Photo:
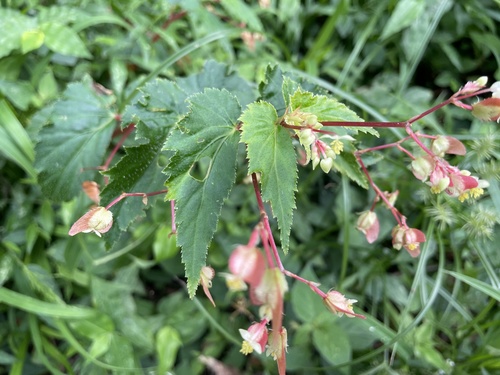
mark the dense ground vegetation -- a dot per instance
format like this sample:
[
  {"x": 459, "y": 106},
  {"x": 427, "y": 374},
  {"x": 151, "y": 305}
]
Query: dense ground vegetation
[{"x": 88, "y": 305}]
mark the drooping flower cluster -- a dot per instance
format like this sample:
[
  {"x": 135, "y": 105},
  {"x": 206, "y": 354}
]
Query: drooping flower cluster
[
  {"x": 251, "y": 270},
  {"x": 432, "y": 168}
]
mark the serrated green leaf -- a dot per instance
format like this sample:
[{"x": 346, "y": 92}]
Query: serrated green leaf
[
  {"x": 207, "y": 132},
  {"x": 76, "y": 140},
  {"x": 346, "y": 164},
  {"x": 159, "y": 105},
  {"x": 62, "y": 39},
  {"x": 271, "y": 89},
  {"x": 218, "y": 76},
  {"x": 271, "y": 153},
  {"x": 327, "y": 109},
  {"x": 137, "y": 172}
]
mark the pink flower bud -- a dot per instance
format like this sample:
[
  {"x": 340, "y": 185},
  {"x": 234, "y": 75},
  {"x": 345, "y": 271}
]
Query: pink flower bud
[
  {"x": 206, "y": 276},
  {"x": 422, "y": 167},
  {"x": 339, "y": 305},
  {"x": 248, "y": 263},
  {"x": 472, "y": 86},
  {"x": 447, "y": 145},
  {"x": 409, "y": 238},
  {"x": 98, "y": 220},
  {"x": 369, "y": 225},
  {"x": 271, "y": 289},
  {"x": 91, "y": 188},
  {"x": 487, "y": 109}
]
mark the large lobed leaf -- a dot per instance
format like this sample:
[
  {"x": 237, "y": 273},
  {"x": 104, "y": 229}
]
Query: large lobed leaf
[
  {"x": 75, "y": 141},
  {"x": 208, "y": 132},
  {"x": 271, "y": 153}
]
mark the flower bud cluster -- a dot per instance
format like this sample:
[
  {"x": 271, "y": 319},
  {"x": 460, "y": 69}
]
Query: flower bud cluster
[
  {"x": 248, "y": 270},
  {"x": 443, "y": 177},
  {"x": 317, "y": 150}
]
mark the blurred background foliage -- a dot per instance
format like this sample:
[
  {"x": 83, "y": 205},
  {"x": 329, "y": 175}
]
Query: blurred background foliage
[{"x": 70, "y": 306}]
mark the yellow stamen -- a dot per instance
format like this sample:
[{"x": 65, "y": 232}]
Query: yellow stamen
[
  {"x": 412, "y": 246},
  {"x": 435, "y": 190},
  {"x": 476, "y": 192},
  {"x": 246, "y": 348},
  {"x": 337, "y": 146}
]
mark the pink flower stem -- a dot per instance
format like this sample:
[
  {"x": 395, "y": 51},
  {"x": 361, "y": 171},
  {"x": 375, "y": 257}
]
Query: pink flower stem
[
  {"x": 122, "y": 140},
  {"x": 125, "y": 195},
  {"x": 310, "y": 284},
  {"x": 397, "y": 215},
  {"x": 172, "y": 213},
  {"x": 254, "y": 237},
  {"x": 265, "y": 221}
]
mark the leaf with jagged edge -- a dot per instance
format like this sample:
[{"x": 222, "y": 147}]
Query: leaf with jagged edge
[
  {"x": 328, "y": 109},
  {"x": 75, "y": 140},
  {"x": 218, "y": 76},
  {"x": 271, "y": 89},
  {"x": 207, "y": 132},
  {"x": 271, "y": 153},
  {"x": 278, "y": 86},
  {"x": 159, "y": 105}
]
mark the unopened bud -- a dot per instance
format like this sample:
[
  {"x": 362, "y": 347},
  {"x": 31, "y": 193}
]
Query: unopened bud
[
  {"x": 422, "y": 167},
  {"x": 487, "y": 109},
  {"x": 98, "y": 220},
  {"x": 369, "y": 225},
  {"x": 326, "y": 164},
  {"x": 481, "y": 81},
  {"x": 447, "y": 145}
]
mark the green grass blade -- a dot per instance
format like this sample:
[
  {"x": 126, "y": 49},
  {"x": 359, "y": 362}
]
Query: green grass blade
[
  {"x": 424, "y": 41},
  {"x": 37, "y": 340},
  {"x": 360, "y": 43},
  {"x": 38, "y": 307},
  {"x": 15, "y": 130},
  {"x": 477, "y": 284}
]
